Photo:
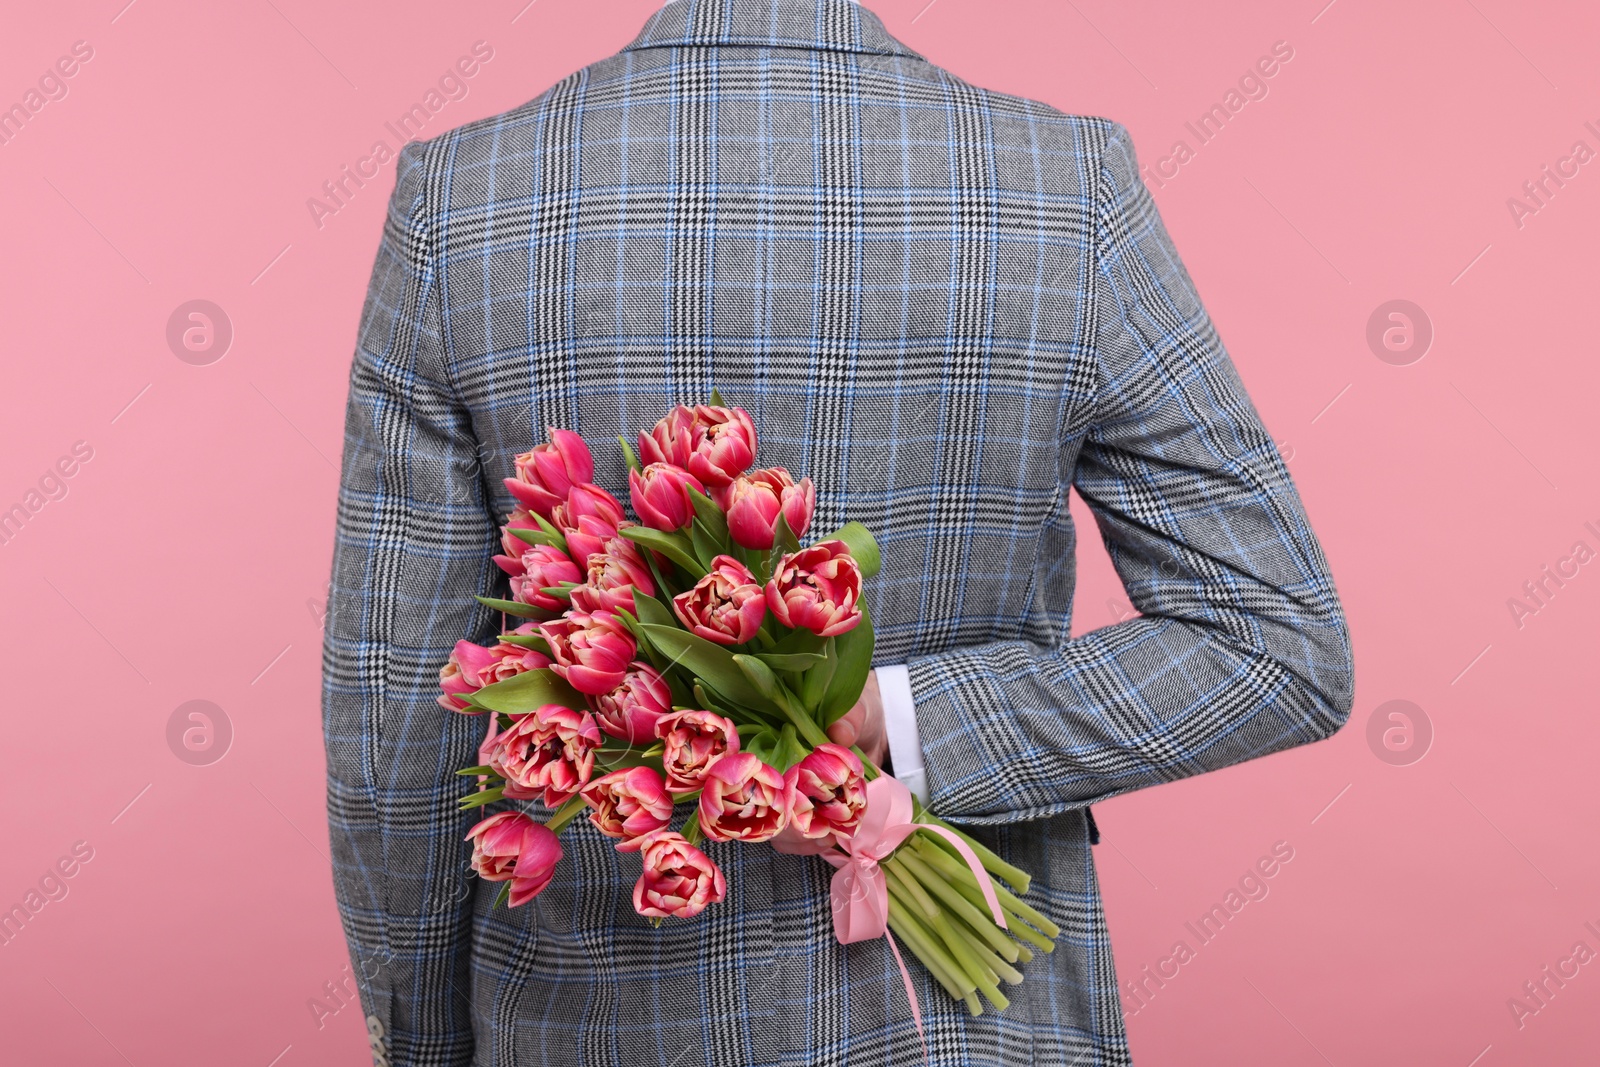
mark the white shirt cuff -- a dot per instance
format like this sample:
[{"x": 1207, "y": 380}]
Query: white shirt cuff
[{"x": 900, "y": 723}]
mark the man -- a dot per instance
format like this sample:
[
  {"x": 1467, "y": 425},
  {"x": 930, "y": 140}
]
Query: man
[{"x": 948, "y": 307}]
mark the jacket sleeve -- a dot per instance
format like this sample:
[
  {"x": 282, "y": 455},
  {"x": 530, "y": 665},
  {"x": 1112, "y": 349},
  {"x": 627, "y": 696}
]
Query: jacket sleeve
[
  {"x": 1242, "y": 648},
  {"x": 413, "y": 545}
]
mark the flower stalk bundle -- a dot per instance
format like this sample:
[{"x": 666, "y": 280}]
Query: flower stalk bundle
[{"x": 699, "y": 654}]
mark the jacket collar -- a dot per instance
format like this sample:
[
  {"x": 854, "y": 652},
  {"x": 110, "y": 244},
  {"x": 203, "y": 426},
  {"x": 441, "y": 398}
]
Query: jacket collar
[{"x": 825, "y": 25}]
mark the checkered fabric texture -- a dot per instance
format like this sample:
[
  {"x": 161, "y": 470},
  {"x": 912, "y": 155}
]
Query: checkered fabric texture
[{"x": 947, "y": 306}]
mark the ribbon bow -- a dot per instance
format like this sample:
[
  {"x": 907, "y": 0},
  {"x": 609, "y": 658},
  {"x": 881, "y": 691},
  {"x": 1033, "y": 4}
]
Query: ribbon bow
[{"x": 860, "y": 892}]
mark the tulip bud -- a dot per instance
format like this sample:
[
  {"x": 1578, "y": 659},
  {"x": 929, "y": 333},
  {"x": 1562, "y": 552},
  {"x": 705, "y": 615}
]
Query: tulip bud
[
  {"x": 632, "y": 709},
  {"x": 547, "y": 473},
  {"x": 723, "y": 444},
  {"x": 628, "y": 804},
  {"x": 592, "y": 650},
  {"x": 511, "y": 847},
  {"x": 726, "y": 606},
  {"x": 678, "y": 880},
  {"x": 660, "y": 495},
  {"x": 817, "y": 589},
  {"x": 543, "y": 567},
  {"x": 755, "y": 500},
  {"x": 743, "y": 799}
]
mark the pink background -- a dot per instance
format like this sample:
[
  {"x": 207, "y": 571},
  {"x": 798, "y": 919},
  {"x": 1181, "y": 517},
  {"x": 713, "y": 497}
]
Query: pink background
[{"x": 189, "y": 556}]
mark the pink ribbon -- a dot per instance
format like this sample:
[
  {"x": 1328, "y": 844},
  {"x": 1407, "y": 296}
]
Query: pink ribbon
[{"x": 860, "y": 891}]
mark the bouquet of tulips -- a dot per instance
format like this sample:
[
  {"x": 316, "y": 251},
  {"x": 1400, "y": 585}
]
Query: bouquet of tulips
[{"x": 700, "y": 654}]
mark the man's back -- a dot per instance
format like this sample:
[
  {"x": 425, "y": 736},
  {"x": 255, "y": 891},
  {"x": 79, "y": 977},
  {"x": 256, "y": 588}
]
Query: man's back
[{"x": 944, "y": 305}]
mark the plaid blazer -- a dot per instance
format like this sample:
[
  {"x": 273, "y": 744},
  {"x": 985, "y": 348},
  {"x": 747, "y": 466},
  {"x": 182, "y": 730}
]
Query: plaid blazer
[{"x": 946, "y": 305}]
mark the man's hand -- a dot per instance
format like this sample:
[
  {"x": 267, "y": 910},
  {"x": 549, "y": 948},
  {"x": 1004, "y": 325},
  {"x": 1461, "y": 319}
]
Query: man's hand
[{"x": 863, "y": 724}]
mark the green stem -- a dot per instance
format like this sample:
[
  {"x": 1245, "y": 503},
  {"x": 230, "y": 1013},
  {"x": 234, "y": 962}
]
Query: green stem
[
  {"x": 803, "y": 723},
  {"x": 565, "y": 814},
  {"x": 982, "y": 923},
  {"x": 990, "y": 959},
  {"x": 970, "y": 964},
  {"x": 926, "y": 948},
  {"x": 991, "y": 862},
  {"x": 897, "y": 873},
  {"x": 951, "y": 867}
]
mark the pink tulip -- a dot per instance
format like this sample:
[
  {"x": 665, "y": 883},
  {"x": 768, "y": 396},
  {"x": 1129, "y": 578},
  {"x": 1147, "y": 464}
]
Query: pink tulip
[
  {"x": 511, "y": 545},
  {"x": 672, "y": 439},
  {"x": 726, "y": 606},
  {"x": 755, "y": 500},
  {"x": 743, "y": 799},
  {"x": 592, "y": 650},
  {"x": 661, "y": 496},
  {"x": 632, "y": 709},
  {"x": 542, "y": 567},
  {"x": 471, "y": 667},
  {"x": 694, "y": 742},
  {"x": 548, "y": 752},
  {"x": 723, "y": 444},
  {"x": 678, "y": 880},
  {"x": 613, "y": 576},
  {"x": 547, "y": 473},
  {"x": 510, "y": 847},
  {"x": 589, "y": 537},
  {"x": 628, "y": 804},
  {"x": 828, "y": 794},
  {"x": 817, "y": 589},
  {"x": 459, "y": 675},
  {"x": 584, "y": 500}
]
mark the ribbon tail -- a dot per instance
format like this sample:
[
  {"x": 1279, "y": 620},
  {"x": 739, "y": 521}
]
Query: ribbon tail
[
  {"x": 911, "y": 994},
  {"x": 984, "y": 882}
]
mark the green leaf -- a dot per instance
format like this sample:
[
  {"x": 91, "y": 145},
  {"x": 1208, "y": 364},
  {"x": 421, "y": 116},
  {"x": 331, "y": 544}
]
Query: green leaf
[
  {"x": 627, "y": 454},
  {"x": 550, "y": 528},
  {"x": 533, "y": 641},
  {"x": 760, "y": 743},
  {"x": 560, "y": 592},
  {"x": 704, "y": 547},
  {"x": 788, "y": 750},
  {"x": 478, "y": 770},
  {"x": 524, "y": 692},
  {"x": 800, "y": 641},
  {"x": 670, "y": 545},
  {"x": 855, "y": 660},
  {"x": 511, "y": 607},
  {"x": 706, "y": 510},
  {"x": 500, "y": 898},
  {"x": 710, "y": 662},
  {"x": 783, "y": 538},
  {"x": 759, "y": 674},
  {"x": 863, "y": 547},
  {"x": 716, "y": 398},
  {"x": 479, "y": 799},
  {"x": 652, "y": 611},
  {"x": 815, "y": 683},
  {"x": 539, "y": 537},
  {"x": 792, "y": 661}
]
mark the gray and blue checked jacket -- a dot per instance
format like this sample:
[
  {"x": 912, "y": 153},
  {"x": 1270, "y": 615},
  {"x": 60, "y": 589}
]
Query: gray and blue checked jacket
[{"x": 946, "y": 305}]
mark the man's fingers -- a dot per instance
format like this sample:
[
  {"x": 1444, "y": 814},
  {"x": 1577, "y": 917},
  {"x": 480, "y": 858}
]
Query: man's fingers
[{"x": 846, "y": 729}]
